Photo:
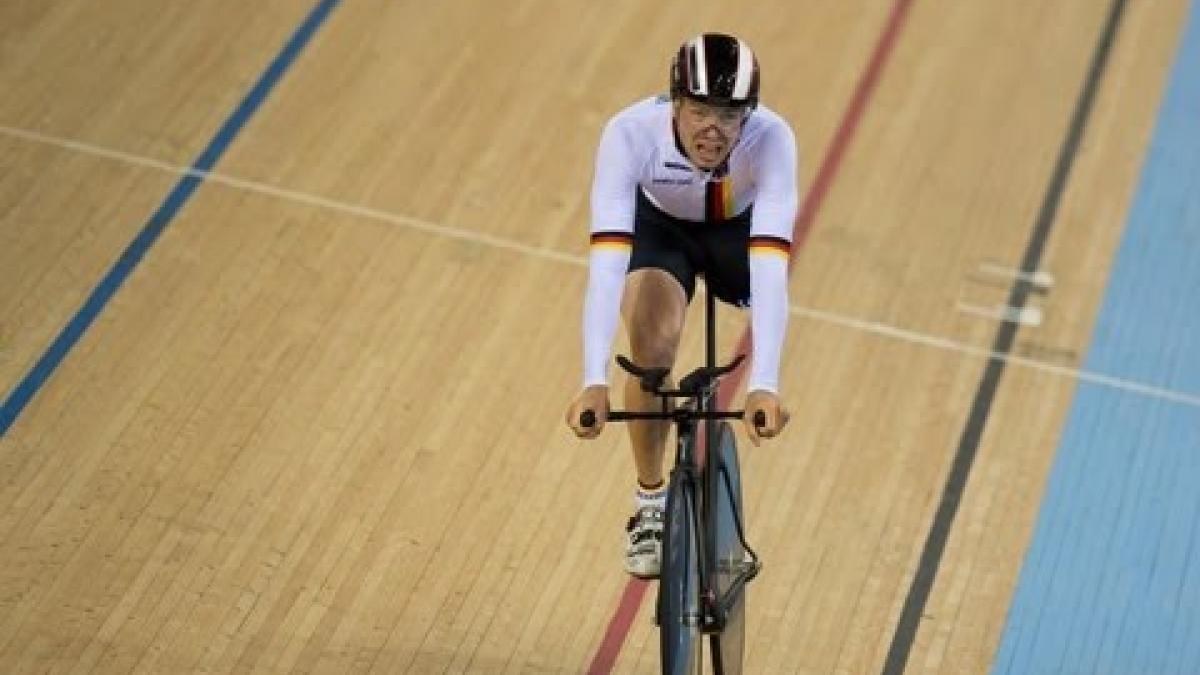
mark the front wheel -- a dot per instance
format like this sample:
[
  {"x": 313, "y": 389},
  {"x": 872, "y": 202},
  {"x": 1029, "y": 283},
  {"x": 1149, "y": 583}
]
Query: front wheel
[
  {"x": 731, "y": 562},
  {"x": 679, "y": 612}
]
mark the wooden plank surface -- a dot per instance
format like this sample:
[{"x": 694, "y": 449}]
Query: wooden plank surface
[{"x": 319, "y": 429}]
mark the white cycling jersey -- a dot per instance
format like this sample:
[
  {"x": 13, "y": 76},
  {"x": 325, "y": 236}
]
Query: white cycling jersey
[{"x": 639, "y": 151}]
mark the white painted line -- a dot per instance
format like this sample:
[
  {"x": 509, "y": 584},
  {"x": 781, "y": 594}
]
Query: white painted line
[
  {"x": 298, "y": 197},
  {"x": 1026, "y": 316},
  {"x": 871, "y": 327},
  {"x": 1192, "y": 400},
  {"x": 1042, "y": 279}
]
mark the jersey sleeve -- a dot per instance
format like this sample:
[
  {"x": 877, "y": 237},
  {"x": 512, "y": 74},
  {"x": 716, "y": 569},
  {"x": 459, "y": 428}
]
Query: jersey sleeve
[
  {"x": 771, "y": 226},
  {"x": 613, "y": 202}
]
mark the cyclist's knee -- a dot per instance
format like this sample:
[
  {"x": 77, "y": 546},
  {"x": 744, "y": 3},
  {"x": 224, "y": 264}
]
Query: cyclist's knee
[{"x": 654, "y": 343}]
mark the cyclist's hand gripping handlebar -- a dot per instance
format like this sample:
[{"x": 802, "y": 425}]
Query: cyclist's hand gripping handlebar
[
  {"x": 760, "y": 419},
  {"x": 588, "y": 418}
]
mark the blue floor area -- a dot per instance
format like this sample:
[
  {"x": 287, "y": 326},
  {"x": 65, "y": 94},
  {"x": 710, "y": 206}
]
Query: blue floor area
[{"x": 1111, "y": 583}]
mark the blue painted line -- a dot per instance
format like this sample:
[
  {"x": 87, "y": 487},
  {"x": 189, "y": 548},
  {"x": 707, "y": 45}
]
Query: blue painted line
[
  {"x": 33, "y": 381},
  {"x": 1111, "y": 582}
]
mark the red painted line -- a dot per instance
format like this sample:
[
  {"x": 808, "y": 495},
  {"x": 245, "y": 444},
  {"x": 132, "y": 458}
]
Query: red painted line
[
  {"x": 635, "y": 590},
  {"x": 618, "y": 627},
  {"x": 845, "y": 132}
]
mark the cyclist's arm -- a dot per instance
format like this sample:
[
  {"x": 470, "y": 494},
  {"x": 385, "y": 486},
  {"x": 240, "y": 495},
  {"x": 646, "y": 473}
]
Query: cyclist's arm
[
  {"x": 770, "y": 248},
  {"x": 613, "y": 195}
]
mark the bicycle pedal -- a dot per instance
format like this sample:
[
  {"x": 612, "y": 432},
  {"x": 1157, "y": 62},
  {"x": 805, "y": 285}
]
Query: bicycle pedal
[{"x": 753, "y": 567}]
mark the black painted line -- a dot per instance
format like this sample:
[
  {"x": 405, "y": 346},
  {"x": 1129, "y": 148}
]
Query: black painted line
[{"x": 968, "y": 445}]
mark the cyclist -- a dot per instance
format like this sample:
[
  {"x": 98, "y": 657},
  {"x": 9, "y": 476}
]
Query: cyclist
[{"x": 700, "y": 182}]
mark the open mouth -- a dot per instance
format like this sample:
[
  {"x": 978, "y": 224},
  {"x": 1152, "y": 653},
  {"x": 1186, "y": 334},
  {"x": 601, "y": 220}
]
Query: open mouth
[{"x": 709, "y": 150}]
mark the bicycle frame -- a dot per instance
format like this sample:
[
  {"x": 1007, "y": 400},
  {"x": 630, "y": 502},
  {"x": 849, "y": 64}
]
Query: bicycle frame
[
  {"x": 716, "y": 603},
  {"x": 703, "y": 473}
]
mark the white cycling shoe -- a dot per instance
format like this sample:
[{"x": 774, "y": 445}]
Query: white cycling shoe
[{"x": 643, "y": 549}]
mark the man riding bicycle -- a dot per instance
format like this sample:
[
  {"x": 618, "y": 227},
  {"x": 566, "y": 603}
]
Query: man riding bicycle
[{"x": 702, "y": 182}]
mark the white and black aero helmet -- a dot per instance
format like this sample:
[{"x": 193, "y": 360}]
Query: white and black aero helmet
[{"x": 716, "y": 68}]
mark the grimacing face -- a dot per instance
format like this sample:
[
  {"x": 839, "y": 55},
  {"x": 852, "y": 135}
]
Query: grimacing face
[{"x": 708, "y": 132}]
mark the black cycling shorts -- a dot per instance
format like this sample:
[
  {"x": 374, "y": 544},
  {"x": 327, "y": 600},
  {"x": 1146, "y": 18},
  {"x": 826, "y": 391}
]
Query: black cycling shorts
[{"x": 684, "y": 248}]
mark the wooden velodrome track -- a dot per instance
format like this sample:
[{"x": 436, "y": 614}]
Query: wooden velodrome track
[{"x": 318, "y": 427}]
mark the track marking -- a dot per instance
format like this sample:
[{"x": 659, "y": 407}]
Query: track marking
[{"x": 437, "y": 229}]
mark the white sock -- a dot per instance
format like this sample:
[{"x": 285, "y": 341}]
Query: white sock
[{"x": 655, "y": 497}]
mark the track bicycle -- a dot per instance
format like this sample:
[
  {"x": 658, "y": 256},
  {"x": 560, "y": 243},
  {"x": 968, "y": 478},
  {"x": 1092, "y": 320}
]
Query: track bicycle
[{"x": 706, "y": 560}]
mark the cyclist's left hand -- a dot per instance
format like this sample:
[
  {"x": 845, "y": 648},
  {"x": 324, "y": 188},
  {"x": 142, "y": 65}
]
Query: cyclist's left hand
[{"x": 777, "y": 416}]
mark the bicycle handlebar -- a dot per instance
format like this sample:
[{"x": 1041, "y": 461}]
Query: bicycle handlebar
[
  {"x": 691, "y": 386},
  {"x": 587, "y": 418},
  {"x": 651, "y": 378}
]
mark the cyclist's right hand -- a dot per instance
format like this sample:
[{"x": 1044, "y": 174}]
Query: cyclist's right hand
[{"x": 594, "y": 399}]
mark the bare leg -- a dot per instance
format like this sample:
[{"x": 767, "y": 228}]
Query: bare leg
[{"x": 654, "y": 308}]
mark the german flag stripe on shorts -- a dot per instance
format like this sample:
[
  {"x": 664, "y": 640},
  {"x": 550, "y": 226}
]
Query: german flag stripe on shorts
[
  {"x": 612, "y": 240},
  {"x": 769, "y": 244}
]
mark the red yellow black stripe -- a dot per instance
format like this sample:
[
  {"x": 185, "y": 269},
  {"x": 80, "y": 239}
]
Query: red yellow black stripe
[
  {"x": 769, "y": 244},
  {"x": 718, "y": 200},
  {"x": 612, "y": 240}
]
